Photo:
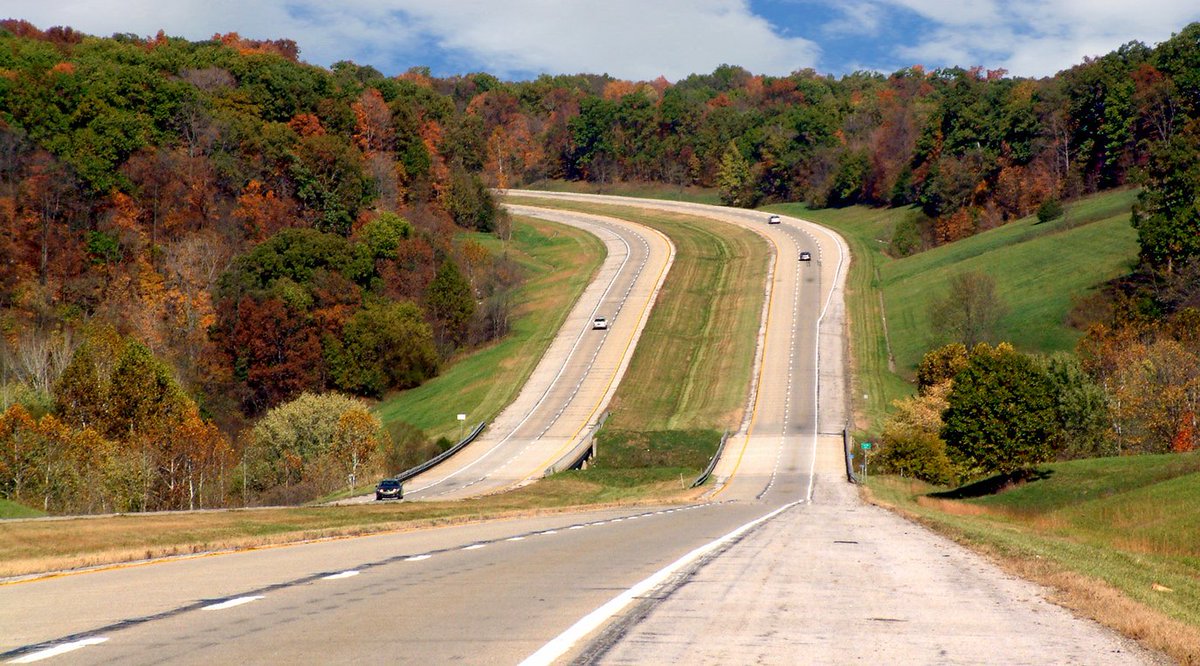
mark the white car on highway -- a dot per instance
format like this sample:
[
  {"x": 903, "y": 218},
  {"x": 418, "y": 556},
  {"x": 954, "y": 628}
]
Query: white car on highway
[{"x": 600, "y": 324}]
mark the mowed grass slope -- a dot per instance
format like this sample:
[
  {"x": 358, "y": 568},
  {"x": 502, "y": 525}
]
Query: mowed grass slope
[
  {"x": 558, "y": 261},
  {"x": 1038, "y": 269},
  {"x": 704, "y": 195},
  {"x": 1130, "y": 523}
]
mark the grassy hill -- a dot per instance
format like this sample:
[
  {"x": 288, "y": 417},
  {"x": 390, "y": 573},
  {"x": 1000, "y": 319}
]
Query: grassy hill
[
  {"x": 1129, "y": 523},
  {"x": 1038, "y": 269},
  {"x": 558, "y": 261}
]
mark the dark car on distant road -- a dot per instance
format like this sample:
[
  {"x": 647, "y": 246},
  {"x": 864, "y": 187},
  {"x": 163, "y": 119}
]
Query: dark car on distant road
[{"x": 389, "y": 489}]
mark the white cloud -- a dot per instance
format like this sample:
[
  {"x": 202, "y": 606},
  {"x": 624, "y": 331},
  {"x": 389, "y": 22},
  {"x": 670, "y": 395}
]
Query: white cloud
[
  {"x": 626, "y": 38},
  {"x": 860, "y": 18},
  {"x": 1035, "y": 37}
]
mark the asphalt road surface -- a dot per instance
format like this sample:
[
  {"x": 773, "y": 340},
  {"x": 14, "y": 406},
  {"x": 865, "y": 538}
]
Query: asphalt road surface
[{"x": 780, "y": 564}]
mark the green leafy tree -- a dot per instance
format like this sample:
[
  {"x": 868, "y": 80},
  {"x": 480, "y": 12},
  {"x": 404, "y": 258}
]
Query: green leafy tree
[
  {"x": 1080, "y": 407},
  {"x": 1167, "y": 215},
  {"x": 469, "y": 202},
  {"x": 1050, "y": 209},
  {"x": 734, "y": 179},
  {"x": 383, "y": 346},
  {"x": 295, "y": 254},
  {"x": 971, "y": 310},
  {"x": 79, "y": 393},
  {"x": 142, "y": 394},
  {"x": 1000, "y": 415},
  {"x": 451, "y": 304},
  {"x": 331, "y": 180},
  {"x": 299, "y": 442}
]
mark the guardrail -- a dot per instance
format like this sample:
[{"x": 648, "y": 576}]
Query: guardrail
[
  {"x": 584, "y": 450},
  {"x": 712, "y": 464},
  {"x": 441, "y": 457},
  {"x": 850, "y": 476}
]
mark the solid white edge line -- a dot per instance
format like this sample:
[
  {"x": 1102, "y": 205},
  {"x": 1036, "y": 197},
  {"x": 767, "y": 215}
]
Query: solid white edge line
[
  {"x": 562, "y": 643},
  {"x": 230, "y": 603},
  {"x": 833, "y": 288},
  {"x": 57, "y": 650}
]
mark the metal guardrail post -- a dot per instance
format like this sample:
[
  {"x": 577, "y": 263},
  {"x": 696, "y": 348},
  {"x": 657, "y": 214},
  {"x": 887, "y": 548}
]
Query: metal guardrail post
[
  {"x": 584, "y": 450},
  {"x": 712, "y": 464},
  {"x": 850, "y": 476},
  {"x": 441, "y": 457}
]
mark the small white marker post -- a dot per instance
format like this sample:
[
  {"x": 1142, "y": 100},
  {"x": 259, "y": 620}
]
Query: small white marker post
[{"x": 462, "y": 420}]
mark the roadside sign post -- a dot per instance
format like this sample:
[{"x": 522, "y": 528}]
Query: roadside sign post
[
  {"x": 462, "y": 420},
  {"x": 866, "y": 448}
]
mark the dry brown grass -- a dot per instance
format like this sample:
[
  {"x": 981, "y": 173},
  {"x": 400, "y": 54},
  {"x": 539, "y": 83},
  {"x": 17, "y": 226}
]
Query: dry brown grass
[
  {"x": 1108, "y": 606},
  {"x": 32, "y": 547},
  {"x": 1083, "y": 595}
]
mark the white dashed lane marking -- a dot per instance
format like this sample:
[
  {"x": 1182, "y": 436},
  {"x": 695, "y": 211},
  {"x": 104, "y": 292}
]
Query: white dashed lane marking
[
  {"x": 340, "y": 575},
  {"x": 231, "y": 603},
  {"x": 57, "y": 650}
]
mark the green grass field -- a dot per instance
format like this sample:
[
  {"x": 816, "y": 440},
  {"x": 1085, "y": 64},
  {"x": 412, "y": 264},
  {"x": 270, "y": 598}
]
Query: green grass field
[
  {"x": 1038, "y": 269},
  {"x": 1130, "y": 522},
  {"x": 558, "y": 261},
  {"x": 10, "y": 509}
]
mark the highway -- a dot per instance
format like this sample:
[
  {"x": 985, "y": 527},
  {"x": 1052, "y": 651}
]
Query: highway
[
  {"x": 491, "y": 593},
  {"x": 571, "y": 386},
  {"x": 770, "y": 567}
]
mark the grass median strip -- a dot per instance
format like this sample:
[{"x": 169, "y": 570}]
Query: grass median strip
[
  {"x": 689, "y": 377},
  {"x": 692, "y": 365}
]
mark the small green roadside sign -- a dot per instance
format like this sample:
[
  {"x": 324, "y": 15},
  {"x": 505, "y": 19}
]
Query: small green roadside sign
[{"x": 866, "y": 446}]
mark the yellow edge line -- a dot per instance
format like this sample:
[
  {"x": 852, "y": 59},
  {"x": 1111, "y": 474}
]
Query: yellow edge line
[
  {"x": 628, "y": 343},
  {"x": 762, "y": 365}
]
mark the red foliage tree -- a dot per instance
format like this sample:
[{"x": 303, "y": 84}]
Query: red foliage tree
[{"x": 276, "y": 350}]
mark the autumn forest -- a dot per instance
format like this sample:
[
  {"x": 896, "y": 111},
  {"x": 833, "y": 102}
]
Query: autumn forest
[{"x": 209, "y": 245}]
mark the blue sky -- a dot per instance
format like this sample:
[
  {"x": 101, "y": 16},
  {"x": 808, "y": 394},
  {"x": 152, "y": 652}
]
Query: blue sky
[{"x": 642, "y": 39}]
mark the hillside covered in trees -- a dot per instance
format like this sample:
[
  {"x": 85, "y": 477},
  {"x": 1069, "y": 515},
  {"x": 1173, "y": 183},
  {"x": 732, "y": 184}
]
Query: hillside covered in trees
[{"x": 250, "y": 230}]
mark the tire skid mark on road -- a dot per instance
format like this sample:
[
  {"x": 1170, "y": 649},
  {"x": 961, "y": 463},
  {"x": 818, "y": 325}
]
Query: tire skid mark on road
[{"x": 51, "y": 648}]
